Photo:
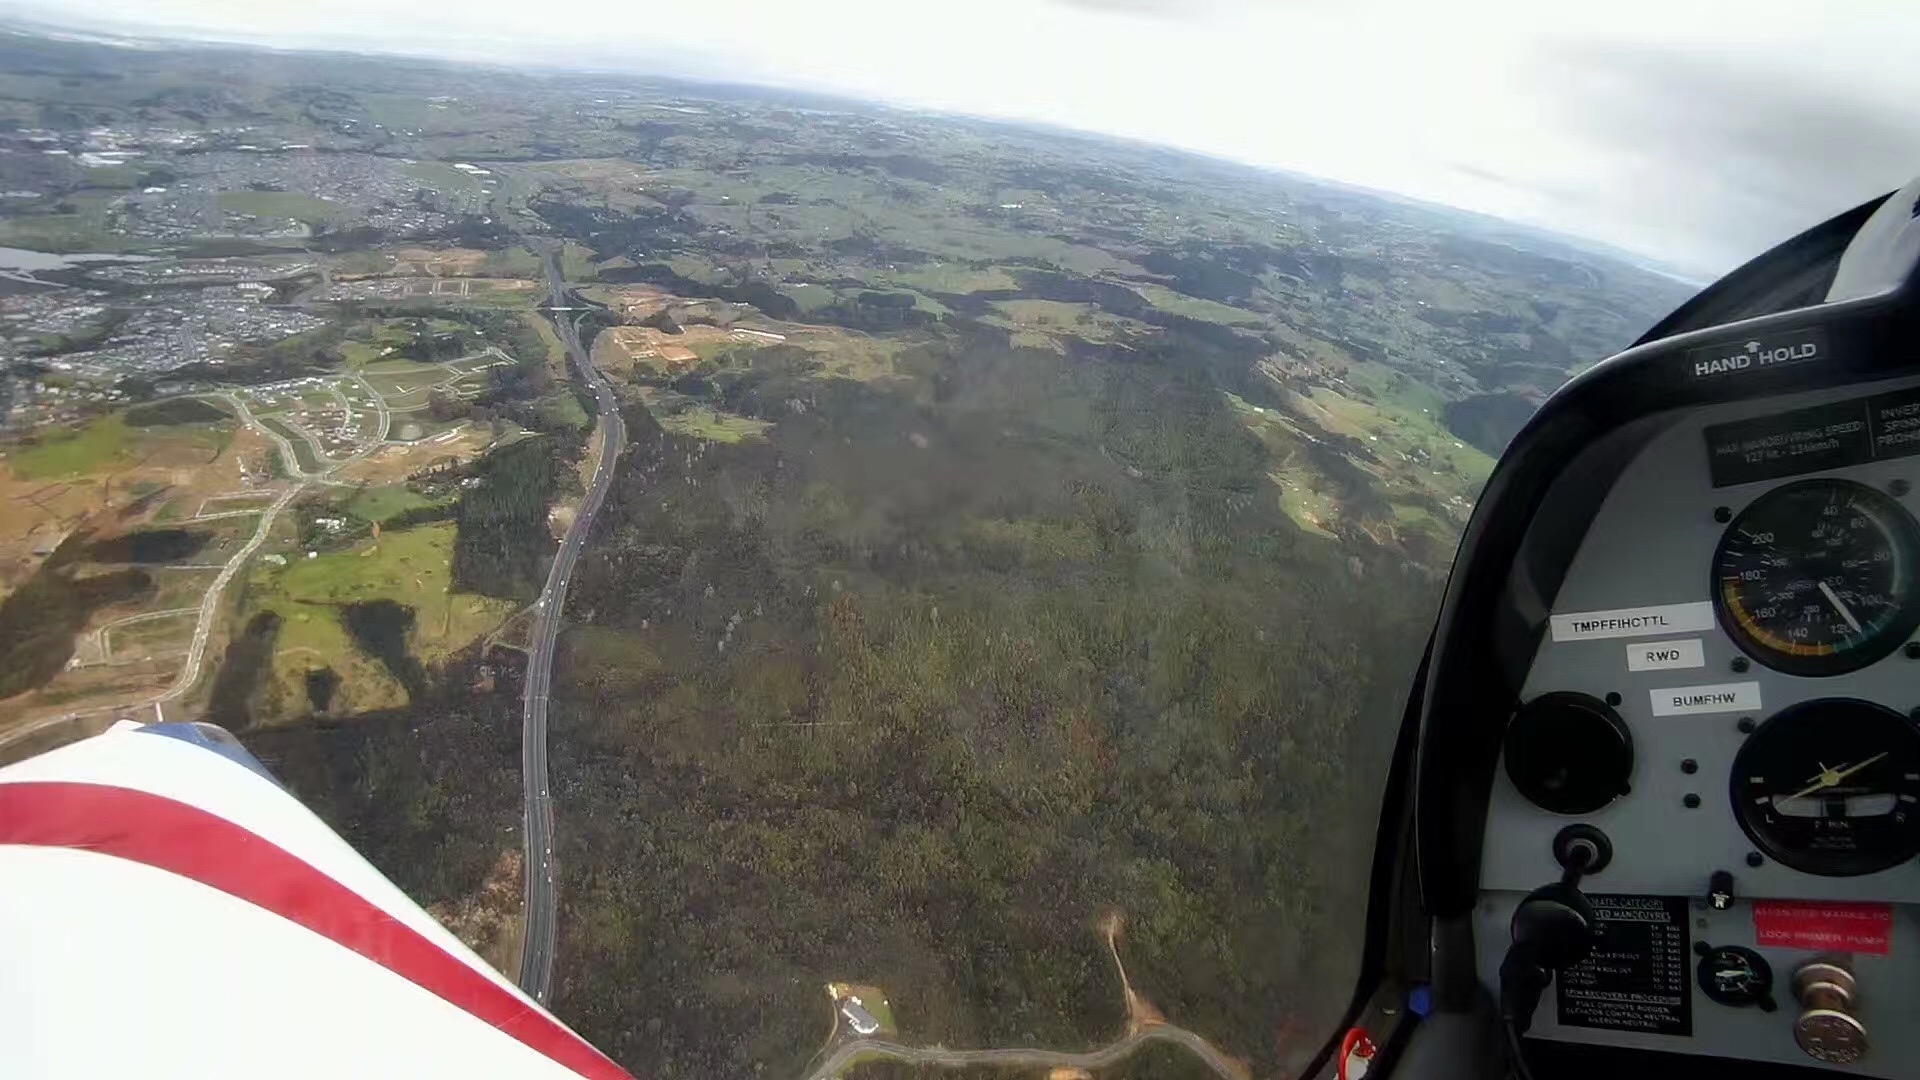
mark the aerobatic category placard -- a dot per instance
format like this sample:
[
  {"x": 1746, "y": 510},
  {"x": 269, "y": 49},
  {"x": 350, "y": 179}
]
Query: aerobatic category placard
[
  {"x": 1831, "y": 436},
  {"x": 1639, "y": 976}
]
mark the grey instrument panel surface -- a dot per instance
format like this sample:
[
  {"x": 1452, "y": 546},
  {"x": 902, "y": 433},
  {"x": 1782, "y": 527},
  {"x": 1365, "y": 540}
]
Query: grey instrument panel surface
[
  {"x": 1652, "y": 543},
  {"x": 1889, "y": 987}
]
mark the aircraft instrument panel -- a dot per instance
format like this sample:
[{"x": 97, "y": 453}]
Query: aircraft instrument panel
[{"x": 1727, "y": 693}]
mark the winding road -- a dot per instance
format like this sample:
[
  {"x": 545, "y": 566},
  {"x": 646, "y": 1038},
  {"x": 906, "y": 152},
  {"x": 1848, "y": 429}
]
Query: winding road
[
  {"x": 1144, "y": 1025},
  {"x": 210, "y": 603},
  {"x": 209, "y": 607},
  {"x": 1022, "y": 1057},
  {"x": 536, "y": 954}
]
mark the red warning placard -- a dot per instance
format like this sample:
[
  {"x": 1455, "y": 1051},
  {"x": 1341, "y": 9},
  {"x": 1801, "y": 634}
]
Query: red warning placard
[{"x": 1823, "y": 925}]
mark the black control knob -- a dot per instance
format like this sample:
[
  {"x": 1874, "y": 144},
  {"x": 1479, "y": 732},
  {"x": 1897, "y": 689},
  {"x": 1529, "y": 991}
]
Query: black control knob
[
  {"x": 1569, "y": 753},
  {"x": 1555, "y": 925},
  {"x": 1554, "y": 928}
]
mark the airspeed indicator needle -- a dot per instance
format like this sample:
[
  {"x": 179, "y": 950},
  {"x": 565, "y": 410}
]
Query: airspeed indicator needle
[{"x": 1827, "y": 591}]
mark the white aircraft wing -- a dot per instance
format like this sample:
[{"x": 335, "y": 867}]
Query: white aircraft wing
[{"x": 170, "y": 910}]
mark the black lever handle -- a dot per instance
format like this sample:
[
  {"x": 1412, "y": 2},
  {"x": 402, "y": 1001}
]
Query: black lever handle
[{"x": 1553, "y": 929}]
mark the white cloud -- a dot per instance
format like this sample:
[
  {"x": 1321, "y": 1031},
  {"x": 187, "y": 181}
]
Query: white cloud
[{"x": 1587, "y": 118}]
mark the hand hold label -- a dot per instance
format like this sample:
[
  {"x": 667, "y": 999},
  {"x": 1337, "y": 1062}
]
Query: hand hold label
[{"x": 1772, "y": 350}]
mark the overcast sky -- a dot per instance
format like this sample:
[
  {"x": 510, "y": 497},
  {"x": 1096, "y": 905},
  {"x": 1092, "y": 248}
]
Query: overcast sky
[{"x": 1695, "y": 131}]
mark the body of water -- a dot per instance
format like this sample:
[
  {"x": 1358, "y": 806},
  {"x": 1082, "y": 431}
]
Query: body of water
[{"x": 22, "y": 259}]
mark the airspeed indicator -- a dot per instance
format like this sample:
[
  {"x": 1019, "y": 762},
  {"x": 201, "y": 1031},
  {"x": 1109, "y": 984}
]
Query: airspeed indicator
[{"x": 1817, "y": 577}]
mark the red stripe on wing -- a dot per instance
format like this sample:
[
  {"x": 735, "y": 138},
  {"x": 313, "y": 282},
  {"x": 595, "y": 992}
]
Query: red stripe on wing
[{"x": 185, "y": 840}]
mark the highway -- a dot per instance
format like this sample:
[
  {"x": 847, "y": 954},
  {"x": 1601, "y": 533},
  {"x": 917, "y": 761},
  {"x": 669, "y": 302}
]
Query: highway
[{"x": 536, "y": 954}]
